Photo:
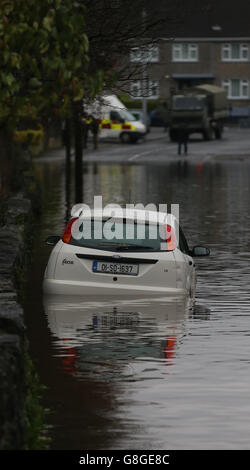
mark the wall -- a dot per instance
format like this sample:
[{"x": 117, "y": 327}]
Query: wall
[{"x": 12, "y": 330}]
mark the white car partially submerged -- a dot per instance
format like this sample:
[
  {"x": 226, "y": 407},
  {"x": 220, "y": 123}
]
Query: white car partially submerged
[{"x": 128, "y": 252}]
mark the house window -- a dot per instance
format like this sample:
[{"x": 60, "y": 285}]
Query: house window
[
  {"x": 144, "y": 54},
  {"x": 135, "y": 89},
  {"x": 235, "y": 52},
  {"x": 185, "y": 52},
  {"x": 144, "y": 89},
  {"x": 236, "y": 88}
]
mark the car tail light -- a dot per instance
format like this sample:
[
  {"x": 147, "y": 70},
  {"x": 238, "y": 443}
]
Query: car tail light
[
  {"x": 126, "y": 126},
  {"x": 171, "y": 238},
  {"x": 68, "y": 231}
]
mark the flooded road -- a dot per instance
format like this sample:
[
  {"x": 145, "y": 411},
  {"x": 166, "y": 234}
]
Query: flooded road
[{"x": 141, "y": 374}]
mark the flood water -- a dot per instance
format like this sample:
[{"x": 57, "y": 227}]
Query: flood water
[{"x": 141, "y": 374}]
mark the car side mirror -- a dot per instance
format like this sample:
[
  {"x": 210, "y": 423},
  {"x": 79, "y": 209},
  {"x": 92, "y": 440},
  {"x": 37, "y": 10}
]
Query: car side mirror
[
  {"x": 52, "y": 240},
  {"x": 200, "y": 251}
]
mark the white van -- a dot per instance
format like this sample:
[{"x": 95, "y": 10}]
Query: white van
[{"x": 115, "y": 120}]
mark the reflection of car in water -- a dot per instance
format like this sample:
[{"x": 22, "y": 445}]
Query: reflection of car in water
[{"x": 103, "y": 337}]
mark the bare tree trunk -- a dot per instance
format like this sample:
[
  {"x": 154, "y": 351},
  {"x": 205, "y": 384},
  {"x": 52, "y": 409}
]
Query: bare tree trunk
[
  {"x": 67, "y": 143},
  {"x": 78, "y": 153},
  {"x": 67, "y": 140}
]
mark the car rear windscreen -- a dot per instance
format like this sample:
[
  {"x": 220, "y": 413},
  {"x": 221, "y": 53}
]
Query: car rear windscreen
[{"x": 121, "y": 235}]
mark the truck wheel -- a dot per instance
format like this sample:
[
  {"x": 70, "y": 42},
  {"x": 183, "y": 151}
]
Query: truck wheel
[{"x": 125, "y": 138}]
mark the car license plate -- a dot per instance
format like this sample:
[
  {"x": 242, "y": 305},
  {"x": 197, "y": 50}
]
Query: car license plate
[{"x": 115, "y": 268}]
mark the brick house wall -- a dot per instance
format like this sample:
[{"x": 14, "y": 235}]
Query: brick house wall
[{"x": 207, "y": 67}]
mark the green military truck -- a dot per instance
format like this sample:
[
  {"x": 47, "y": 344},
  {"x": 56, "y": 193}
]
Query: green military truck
[{"x": 201, "y": 109}]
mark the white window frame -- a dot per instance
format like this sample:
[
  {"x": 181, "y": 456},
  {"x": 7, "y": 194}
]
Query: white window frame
[
  {"x": 243, "y": 88},
  {"x": 145, "y": 54},
  {"x": 185, "y": 52},
  {"x": 137, "y": 89},
  {"x": 227, "y": 52}
]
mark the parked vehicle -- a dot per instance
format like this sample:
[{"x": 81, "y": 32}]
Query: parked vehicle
[
  {"x": 138, "y": 114},
  {"x": 29, "y": 133},
  {"x": 202, "y": 109},
  {"x": 146, "y": 254},
  {"x": 115, "y": 120},
  {"x": 155, "y": 121},
  {"x": 159, "y": 117}
]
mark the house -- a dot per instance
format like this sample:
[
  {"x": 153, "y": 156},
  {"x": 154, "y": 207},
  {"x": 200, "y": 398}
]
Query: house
[{"x": 209, "y": 44}]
